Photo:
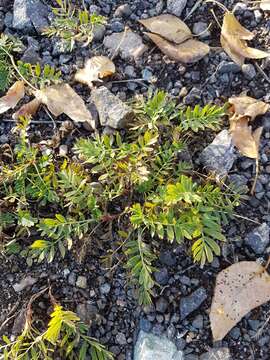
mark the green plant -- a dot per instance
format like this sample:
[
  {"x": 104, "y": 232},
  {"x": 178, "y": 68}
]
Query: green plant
[
  {"x": 201, "y": 118},
  {"x": 73, "y": 24},
  {"x": 65, "y": 336},
  {"x": 8, "y": 44}
]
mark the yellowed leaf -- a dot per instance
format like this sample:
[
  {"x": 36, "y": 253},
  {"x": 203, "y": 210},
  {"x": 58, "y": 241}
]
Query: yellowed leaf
[
  {"x": 243, "y": 138},
  {"x": 247, "y": 106},
  {"x": 29, "y": 109},
  {"x": 62, "y": 99},
  {"x": 12, "y": 97},
  {"x": 188, "y": 52},
  {"x": 232, "y": 27},
  {"x": 95, "y": 69},
  {"x": 265, "y": 5},
  {"x": 233, "y": 40},
  {"x": 239, "y": 289},
  {"x": 169, "y": 27},
  {"x": 237, "y": 58}
]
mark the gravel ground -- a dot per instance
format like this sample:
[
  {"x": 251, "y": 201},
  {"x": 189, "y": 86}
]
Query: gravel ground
[{"x": 102, "y": 297}]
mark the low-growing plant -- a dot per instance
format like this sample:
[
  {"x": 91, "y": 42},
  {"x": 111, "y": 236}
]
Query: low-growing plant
[
  {"x": 72, "y": 24},
  {"x": 65, "y": 336},
  {"x": 158, "y": 196}
]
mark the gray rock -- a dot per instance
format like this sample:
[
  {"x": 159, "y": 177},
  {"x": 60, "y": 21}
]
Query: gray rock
[
  {"x": 152, "y": 347},
  {"x": 121, "y": 339},
  {"x": 198, "y": 322},
  {"x": 99, "y": 32},
  {"x": 176, "y": 7},
  {"x": 31, "y": 56},
  {"x": 24, "y": 283},
  {"x": 258, "y": 239},
  {"x": 162, "y": 276},
  {"x": 192, "y": 302},
  {"x": 105, "y": 288},
  {"x": 128, "y": 43},
  {"x": 29, "y": 15},
  {"x": 219, "y": 156},
  {"x": 123, "y": 11},
  {"x": 162, "y": 305},
  {"x": 112, "y": 111},
  {"x": 81, "y": 282},
  {"x": 60, "y": 47},
  {"x": 201, "y": 28},
  {"x": 217, "y": 354},
  {"x": 249, "y": 71},
  {"x": 228, "y": 67}
]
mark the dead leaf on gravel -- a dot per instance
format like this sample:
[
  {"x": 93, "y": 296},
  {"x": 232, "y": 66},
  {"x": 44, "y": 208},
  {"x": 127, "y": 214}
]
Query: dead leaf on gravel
[
  {"x": 239, "y": 289},
  {"x": 62, "y": 99},
  {"x": 29, "y": 109},
  {"x": 12, "y": 97},
  {"x": 95, "y": 69},
  {"x": 265, "y": 5},
  {"x": 233, "y": 40},
  {"x": 247, "y": 106},
  {"x": 169, "y": 27},
  {"x": 188, "y": 52},
  {"x": 246, "y": 141}
]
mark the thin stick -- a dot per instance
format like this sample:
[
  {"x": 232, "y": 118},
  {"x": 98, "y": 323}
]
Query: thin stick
[
  {"x": 215, "y": 17},
  {"x": 223, "y": 7},
  {"x": 195, "y": 7},
  {"x": 267, "y": 78},
  {"x": 35, "y": 121},
  {"x": 256, "y": 177}
]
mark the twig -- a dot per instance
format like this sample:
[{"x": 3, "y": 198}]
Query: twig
[
  {"x": 194, "y": 8},
  {"x": 267, "y": 78},
  {"x": 256, "y": 177},
  {"x": 246, "y": 218},
  {"x": 35, "y": 121},
  {"x": 10, "y": 317},
  {"x": 120, "y": 43}
]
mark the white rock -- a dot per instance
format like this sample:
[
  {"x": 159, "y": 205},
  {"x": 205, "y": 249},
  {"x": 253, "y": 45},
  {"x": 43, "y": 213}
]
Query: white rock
[
  {"x": 24, "y": 283},
  {"x": 176, "y": 7}
]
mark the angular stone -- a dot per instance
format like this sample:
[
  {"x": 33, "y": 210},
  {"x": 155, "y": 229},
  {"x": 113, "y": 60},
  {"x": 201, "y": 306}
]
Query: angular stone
[
  {"x": 128, "y": 43},
  {"x": 220, "y": 155},
  {"x": 176, "y": 7},
  {"x": 112, "y": 111},
  {"x": 29, "y": 15},
  {"x": 24, "y": 283},
  {"x": 192, "y": 302},
  {"x": 217, "y": 354},
  {"x": 81, "y": 282},
  {"x": 258, "y": 239},
  {"x": 152, "y": 347}
]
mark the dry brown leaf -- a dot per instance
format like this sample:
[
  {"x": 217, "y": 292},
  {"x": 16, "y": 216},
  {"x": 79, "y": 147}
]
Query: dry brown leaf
[
  {"x": 239, "y": 289},
  {"x": 169, "y": 27},
  {"x": 237, "y": 58},
  {"x": 29, "y": 109},
  {"x": 189, "y": 52},
  {"x": 247, "y": 106},
  {"x": 62, "y": 99},
  {"x": 265, "y": 5},
  {"x": 95, "y": 69},
  {"x": 233, "y": 40},
  {"x": 12, "y": 97},
  {"x": 243, "y": 138},
  {"x": 232, "y": 27}
]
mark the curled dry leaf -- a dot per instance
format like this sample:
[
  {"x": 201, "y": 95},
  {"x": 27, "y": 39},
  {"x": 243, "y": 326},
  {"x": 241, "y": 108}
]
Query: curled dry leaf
[
  {"x": 265, "y": 5},
  {"x": 190, "y": 51},
  {"x": 12, "y": 97},
  {"x": 233, "y": 40},
  {"x": 169, "y": 27},
  {"x": 29, "y": 109},
  {"x": 95, "y": 69},
  {"x": 239, "y": 289},
  {"x": 62, "y": 99},
  {"x": 246, "y": 141},
  {"x": 247, "y": 106}
]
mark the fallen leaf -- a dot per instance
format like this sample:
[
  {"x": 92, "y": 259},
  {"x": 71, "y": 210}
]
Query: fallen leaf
[
  {"x": 265, "y": 5},
  {"x": 62, "y": 99},
  {"x": 29, "y": 109},
  {"x": 188, "y": 52},
  {"x": 247, "y": 106},
  {"x": 237, "y": 58},
  {"x": 239, "y": 289},
  {"x": 169, "y": 27},
  {"x": 233, "y": 40},
  {"x": 12, "y": 97},
  {"x": 246, "y": 141},
  {"x": 95, "y": 69}
]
